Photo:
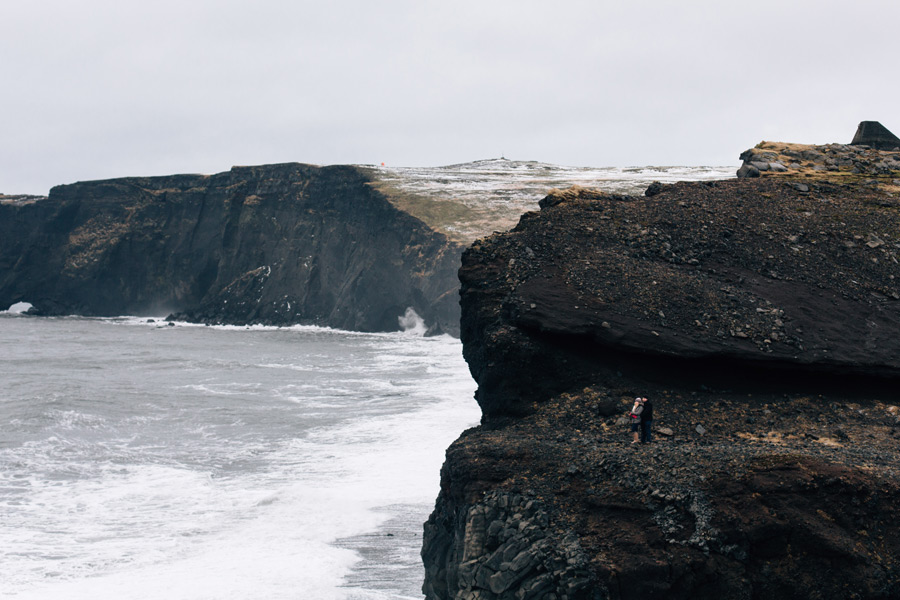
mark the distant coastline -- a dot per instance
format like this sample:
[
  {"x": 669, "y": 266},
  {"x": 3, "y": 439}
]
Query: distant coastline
[{"x": 344, "y": 246}]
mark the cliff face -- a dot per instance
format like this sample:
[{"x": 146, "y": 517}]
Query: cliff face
[
  {"x": 762, "y": 317},
  {"x": 735, "y": 275},
  {"x": 276, "y": 244}
]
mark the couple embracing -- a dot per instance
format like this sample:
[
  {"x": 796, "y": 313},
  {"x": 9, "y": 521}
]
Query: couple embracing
[{"x": 641, "y": 420}]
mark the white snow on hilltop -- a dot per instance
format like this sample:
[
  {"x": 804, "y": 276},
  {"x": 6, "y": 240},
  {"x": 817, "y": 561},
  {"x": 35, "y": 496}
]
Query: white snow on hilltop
[{"x": 478, "y": 197}]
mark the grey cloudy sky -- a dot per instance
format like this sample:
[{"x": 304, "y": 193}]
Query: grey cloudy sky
[{"x": 108, "y": 88}]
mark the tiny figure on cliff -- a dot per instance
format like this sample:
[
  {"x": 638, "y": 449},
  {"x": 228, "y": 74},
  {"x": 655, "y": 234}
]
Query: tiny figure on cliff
[
  {"x": 635, "y": 415},
  {"x": 646, "y": 420}
]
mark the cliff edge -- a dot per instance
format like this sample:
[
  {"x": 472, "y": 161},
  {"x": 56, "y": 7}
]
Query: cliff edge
[{"x": 762, "y": 317}]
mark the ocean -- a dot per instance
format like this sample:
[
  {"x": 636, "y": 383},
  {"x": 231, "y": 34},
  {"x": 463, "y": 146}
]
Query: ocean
[{"x": 140, "y": 460}]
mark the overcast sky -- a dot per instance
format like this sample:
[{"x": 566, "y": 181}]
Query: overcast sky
[{"x": 108, "y": 88}]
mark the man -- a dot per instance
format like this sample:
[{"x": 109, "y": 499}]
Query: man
[{"x": 646, "y": 420}]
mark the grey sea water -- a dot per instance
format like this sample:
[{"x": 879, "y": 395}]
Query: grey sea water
[{"x": 139, "y": 460}]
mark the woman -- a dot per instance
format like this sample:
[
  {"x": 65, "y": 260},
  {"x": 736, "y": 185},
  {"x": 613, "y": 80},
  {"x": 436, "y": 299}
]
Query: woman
[{"x": 635, "y": 415}]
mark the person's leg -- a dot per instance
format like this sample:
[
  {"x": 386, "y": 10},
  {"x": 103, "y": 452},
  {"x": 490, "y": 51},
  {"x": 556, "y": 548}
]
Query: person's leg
[
  {"x": 635, "y": 428},
  {"x": 646, "y": 433}
]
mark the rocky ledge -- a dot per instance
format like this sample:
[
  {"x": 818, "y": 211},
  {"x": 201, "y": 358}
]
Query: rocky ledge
[{"x": 762, "y": 316}]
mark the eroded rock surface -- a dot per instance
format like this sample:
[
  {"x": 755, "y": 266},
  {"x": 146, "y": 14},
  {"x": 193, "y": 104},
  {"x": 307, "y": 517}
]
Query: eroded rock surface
[
  {"x": 727, "y": 276},
  {"x": 502, "y": 547},
  {"x": 781, "y": 496},
  {"x": 762, "y": 316}
]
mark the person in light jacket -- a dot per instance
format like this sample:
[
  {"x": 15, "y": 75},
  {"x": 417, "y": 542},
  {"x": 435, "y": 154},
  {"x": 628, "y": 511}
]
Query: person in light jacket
[{"x": 635, "y": 416}]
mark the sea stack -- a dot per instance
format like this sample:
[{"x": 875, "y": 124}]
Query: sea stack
[{"x": 876, "y": 135}]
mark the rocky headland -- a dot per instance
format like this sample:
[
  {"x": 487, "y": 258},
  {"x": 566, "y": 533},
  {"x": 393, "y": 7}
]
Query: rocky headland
[
  {"x": 276, "y": 244},
  {"x": 762, "y": 317}
]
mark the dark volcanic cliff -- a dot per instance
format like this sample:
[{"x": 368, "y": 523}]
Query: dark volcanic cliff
[
  {"x": 275, "y": 244},
  {"x": 726, "y": 275},
  {"x": 762, "y": 317}
]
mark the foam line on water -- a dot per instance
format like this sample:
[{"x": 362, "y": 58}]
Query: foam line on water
[{"x": 101, "y": 509}]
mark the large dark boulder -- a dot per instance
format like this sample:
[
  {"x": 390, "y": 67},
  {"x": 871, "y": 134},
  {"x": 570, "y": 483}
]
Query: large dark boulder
[{"x": 876, "y": 135}]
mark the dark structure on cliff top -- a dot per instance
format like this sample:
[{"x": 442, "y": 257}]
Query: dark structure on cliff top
[{"x": 876, "y": 135}]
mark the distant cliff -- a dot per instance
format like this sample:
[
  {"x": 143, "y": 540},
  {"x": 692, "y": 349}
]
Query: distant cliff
[
  {"x": 275, "y": 244},
  {"x": 762, "y": 318}
]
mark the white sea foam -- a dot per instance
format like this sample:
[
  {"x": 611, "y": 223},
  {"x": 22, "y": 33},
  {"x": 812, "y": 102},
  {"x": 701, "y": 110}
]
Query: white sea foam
[
  {"x": 218, "y": 480},
  {"x": 17, "y": 309},
  {"x": 411, "y": 323}
]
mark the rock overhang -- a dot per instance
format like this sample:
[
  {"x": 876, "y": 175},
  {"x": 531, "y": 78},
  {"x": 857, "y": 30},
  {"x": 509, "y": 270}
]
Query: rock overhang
[{"x": 739, "y": 275}]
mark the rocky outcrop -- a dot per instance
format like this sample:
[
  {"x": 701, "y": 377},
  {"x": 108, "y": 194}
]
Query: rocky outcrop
[
  {"x": 876, "y": 135},
  {"x": 762, "y": 316},
  {"x": 276, "y": 244},
  {"x": 875, "y": 163}
]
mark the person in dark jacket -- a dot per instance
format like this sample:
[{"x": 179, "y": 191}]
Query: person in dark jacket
[{"x": 646, "y": 420}]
